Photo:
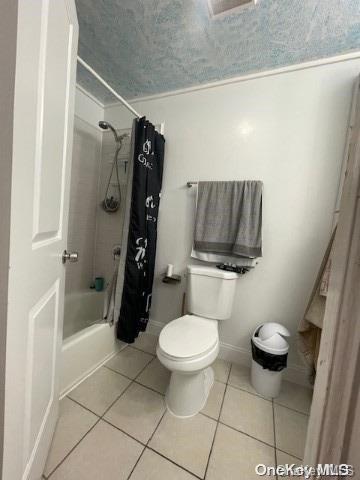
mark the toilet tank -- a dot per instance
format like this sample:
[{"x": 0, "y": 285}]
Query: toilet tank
[{"x": 210, "y": 292}]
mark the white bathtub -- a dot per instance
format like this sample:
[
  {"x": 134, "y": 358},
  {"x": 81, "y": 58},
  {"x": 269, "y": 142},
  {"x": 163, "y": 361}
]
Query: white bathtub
[
  {"x": 95, "y": 343},
  {"x": 81, "y": 310}
]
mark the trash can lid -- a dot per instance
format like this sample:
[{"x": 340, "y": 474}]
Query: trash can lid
[{"x": 269, "y": 337}]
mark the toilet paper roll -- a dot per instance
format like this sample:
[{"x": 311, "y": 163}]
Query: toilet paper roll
[{"x": 170, "y": 270}]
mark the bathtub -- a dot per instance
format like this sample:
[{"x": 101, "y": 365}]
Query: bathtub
[
  {"x": 94, "y": 342},
  {"x": 81, "y": 310}
]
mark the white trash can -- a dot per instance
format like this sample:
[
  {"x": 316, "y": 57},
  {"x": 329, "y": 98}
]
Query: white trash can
[{"x": 269, "y": 358}]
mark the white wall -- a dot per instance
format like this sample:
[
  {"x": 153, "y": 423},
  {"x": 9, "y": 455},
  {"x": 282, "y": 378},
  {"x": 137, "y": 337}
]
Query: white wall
[{"x": 287, "y": 130}]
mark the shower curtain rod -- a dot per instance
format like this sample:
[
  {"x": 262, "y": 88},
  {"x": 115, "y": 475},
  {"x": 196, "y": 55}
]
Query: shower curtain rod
[{"x": 106, "y": 85}]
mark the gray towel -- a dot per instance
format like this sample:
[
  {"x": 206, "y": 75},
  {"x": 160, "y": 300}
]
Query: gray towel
[{"x": 229, "y": 218}]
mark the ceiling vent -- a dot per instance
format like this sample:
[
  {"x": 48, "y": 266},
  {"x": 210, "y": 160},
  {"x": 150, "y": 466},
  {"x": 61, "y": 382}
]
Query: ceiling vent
[{"x": 220, "y": 7}]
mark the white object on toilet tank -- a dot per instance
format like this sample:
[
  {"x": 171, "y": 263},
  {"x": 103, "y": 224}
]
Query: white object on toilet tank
[{"x": 210, "y": 292}]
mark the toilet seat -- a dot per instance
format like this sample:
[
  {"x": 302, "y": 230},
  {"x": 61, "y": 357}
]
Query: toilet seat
[{"x": 188, "y": 338}]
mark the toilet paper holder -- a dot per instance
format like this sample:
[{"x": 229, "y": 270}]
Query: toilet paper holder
[
  {"x": 173, "y": 279},
  {"x": 170, "y": 276}
]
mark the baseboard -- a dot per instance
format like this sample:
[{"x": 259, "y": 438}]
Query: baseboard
[
  {"x": 241, "y": 356},
  {"x": 154, "y": 327},
  {"x": 293, "y": 373}
]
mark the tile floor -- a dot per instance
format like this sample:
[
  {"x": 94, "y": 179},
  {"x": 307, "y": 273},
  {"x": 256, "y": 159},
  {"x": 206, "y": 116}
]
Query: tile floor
[{"x": 115, "y": 426}]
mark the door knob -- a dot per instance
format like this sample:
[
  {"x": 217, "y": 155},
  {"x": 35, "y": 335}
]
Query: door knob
[{"x": 70, "y": 257}]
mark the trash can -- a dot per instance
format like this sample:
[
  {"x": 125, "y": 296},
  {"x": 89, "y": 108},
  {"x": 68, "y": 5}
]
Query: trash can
[{"x": 269, "y": 358}]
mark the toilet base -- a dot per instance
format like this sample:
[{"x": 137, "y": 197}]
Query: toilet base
[{"x": 187, "y": 393}]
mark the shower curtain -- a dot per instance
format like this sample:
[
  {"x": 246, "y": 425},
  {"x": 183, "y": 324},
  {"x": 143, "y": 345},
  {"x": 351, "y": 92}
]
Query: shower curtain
[{"x": 148, "y": 160}]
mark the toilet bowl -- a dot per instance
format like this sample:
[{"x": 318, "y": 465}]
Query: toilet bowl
[
  {"x": 190, "y": 344},
  {"x": 187, "y": 347}
]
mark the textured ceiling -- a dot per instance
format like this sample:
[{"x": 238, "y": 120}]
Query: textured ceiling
[{"x": 145, "y": 47}]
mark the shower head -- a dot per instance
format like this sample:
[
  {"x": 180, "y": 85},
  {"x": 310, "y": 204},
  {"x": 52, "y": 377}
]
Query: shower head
[{"x": 106, "y": 126}]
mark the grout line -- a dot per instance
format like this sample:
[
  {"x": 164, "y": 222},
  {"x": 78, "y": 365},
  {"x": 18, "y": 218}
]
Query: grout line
[
  {"x": 274, "y": 431},
  {"x": 129, "y": 378},
  {"x": 123, "y": 431},
  {"x": 143, "y": 351},
  {"x": 141, "y": 371},
  {"x": 268, "y": 399},
  {"x": 136, "y": 463},
  {"x": 99, "y": 419},
  {"x": 292, "y": 409},
  {"x": 147, "y": 443},
  {"x": 217, "y": 423},
  {"x": 228, "y": 377},
  {"x": 174, "y": 463},
  {"x": 83, "y": 406},
  {"x": 116, "y": 399},
  {"x": 157, "y": 426},
  {"x": 115, "y": 371},
  {"x": 208, "y": 416},
  {"x": 73, "y": 448},
  {"x": 130, "y": 345},
  {"x": 149, "y": 388},
  {"x": 291, "y": 454},
  {"x": 250, "y": 393},
  {"x": 247, "y": 434}
]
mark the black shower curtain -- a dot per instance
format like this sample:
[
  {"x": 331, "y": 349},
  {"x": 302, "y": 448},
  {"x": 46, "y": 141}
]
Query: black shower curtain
[{"x": 148, "y": 164}]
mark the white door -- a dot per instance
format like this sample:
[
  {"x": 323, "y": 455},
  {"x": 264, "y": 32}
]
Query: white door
[{"x": 43, "y": 126}]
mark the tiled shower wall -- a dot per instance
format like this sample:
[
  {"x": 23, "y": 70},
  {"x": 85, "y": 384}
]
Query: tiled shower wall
[
  {"x": 83, "y": 204},
  {"x": 92, "y": 232},
  {"x": 109, "y": 225}
]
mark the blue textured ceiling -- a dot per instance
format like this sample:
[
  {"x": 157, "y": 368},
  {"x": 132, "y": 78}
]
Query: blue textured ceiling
[{"x": 145, "y": 47}]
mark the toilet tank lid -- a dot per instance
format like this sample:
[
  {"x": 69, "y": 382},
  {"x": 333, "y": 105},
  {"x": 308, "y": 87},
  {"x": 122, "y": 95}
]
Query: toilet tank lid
[{"x": 211, "y": 272}]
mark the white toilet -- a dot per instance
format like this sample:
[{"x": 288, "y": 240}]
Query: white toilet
[{"x": 190, "y": 344}]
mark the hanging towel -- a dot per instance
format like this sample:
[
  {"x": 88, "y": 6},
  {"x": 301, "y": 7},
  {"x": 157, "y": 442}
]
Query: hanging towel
[
  {"x": 310, "y": 327},
  {"x": 229, "y": 219},
  {"x": 216, "y": 258}
]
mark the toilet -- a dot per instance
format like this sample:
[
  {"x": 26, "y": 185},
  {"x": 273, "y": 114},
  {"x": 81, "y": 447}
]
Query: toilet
[{"x": 190, "y": 344}]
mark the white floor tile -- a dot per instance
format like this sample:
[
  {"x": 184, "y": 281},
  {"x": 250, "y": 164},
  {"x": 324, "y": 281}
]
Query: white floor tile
[
  {"x": 100, "y": 390},
  {"x": 221, "y": 370},
  {"x": 295, "y": 396},
  {"x": 74, "y": 421},
  {"x": 290, "y": 430},
  {"x": 285, "y": 459},
  {"x": 104, "y": 454},
  {"x": 187, "y": 441},
  {"x": 129, "y": 362},
  {"x": 235, "y": 455},
  {"x": 155, "y": 376},
  {"x": 147, "y": 343},
  {"x": 137, "y": 412},
  {"x": 240, "y": 378},
  {"x": 152, "y": 466},
  {"x": 214, "y": 401},
  {"x": 249, "y": 414}
]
